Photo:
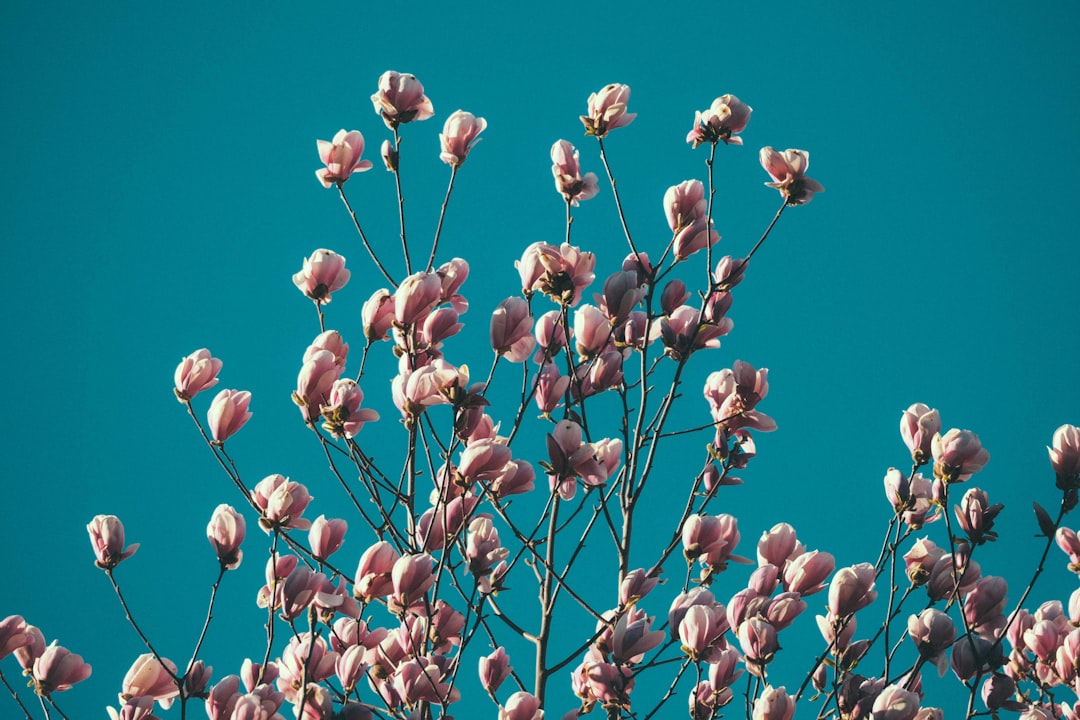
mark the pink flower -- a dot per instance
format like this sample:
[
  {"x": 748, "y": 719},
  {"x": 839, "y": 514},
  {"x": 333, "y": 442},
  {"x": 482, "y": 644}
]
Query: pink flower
[
  {"x": 568, "y": 178},
  {"x": 459, "y": 135},
  {"x": 774, "y": 704},
  {"x": 107, "y": 537},
  {"x": 342, "y": 412},
  {"x": 416, "y": 297},
  {"x": 195, "y": 373},
  {"x": 757, "y": 638},
  {"x": 933, "y": 633},
  {"x": 57, "y": 669},
  {"x": 341, "y": 157},
  {"x": 282, "y": 502},
  {"x": 607, "y": 110},
  {"x": 13, "y": 634},
  {"x": 895, "y": 703},
  {"x": 918, "y": 425},
  {"x": 401, "y": 99},
  {"x": 687, "y": 215},
  {"x": 226, "y": 532},
  {"x": 317, "y": 375},
  {"x": 373, "y": 573},
  {"x": 561, "y": 273},
  {"x": 494, "y": 668},
  {"x": 725, "y": 118},
  {"x": 701, "y": 631},
  {"x": 150, "y": 677},
  {"x": 1065, "y": 455},
  {"x": 228, "y": 413},
  {"x": 788, "y": 171},
  {"x": 322, "y": 274},
  {"x": 511, "y": 330},
  {"x": 411, "y": 577},
  {"x": 958, "y": 454},
  {"x": 851, "y": 590},
  {"x": 521, "y": 706},
  {"x": 377, "y": 315},
  {"x": 326, "y": 536},
  {"x": 806, "y": 573}
]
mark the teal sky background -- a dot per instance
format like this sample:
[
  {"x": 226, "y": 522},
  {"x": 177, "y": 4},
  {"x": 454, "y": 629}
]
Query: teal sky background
[{"x": 159, "y": 192}]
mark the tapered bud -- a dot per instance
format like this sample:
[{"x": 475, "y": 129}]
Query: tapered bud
[
  {"x": 228, "y": 413},
  {"x": 226, "y": 532},
  {"x": 1065, "y": 456},
  {"x": 494, "y": 668},
  {"x": 851, "y": 590},
  {"x": 326, "y": 536}
]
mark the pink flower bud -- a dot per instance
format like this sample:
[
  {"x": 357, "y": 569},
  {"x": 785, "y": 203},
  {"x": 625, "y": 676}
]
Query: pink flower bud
[
  {"x": 195, "y": 373},
  {"x": 282, "y": 502},
  {"x": 494, "y": 668},
  {"x": 958, "y": 454},
  {"x": 416, "y": 297},
  {"x": 984, "y": 604},
  {"x": 322, "y": 274},
  {"x": 13, "y": 634},
  {"x": 674, "y": 295},
  {"x": 149, "y": 677},
  {"x": 341, "y": 156},
  {"x": 326, "y": 536},
  {"x": 222, "y": 698},
  {"x": 806, "y": 574},
  {"x": 773, "y": 704},
  {"x": 317, "y": 375},
  {"x": 511, "y": 330},
  {"x": 607, "y": 110},
  {"x": 636, "y": 585},
  {"x": 550, "y": 388},
  {"x": 342, "y": 412},
  {"x": 777, "y": 545},
  {"x": 933, "y": 633},
  {"x": 389, "y": 155},
  {"x": 32, "y": 647},
  {"x": 377, "y": 315},
  {"x": 521, "y": 706},
  {"x": 757, "y": 638},
  {"x": 686, "y": 210},
  {"x": 851, "y": 590},
  {"x": 622, "y": 292},
  {"x": 918, "y": 426},
  {"x": 1065, "y": 455},
  {"x": 228, "y": 413},
  {"x": 225, "y": 533},
  {"x": 107, "y": 538},
  {"x": 567, "y": 171},
  {"x": 701, "y": 631},
  {"x": 57, "y": 669},
  {"x": 788, "y": 171},
  {"x": 411, "y": 576},
  {"x": 373, "y": 573},
  {"x": 725, "y": 118},
  {"x": 459, "y": 135},
  {"x": 976, "y": 516},
  {"x": 895, "y": 703},
  {"x": 401, "y": 99}
]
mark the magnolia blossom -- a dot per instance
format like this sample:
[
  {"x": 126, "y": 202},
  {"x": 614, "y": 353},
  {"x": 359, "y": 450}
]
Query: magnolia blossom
[
  {"x": 322, "y": 274},
  {"x": 607, "y": 110},
  {"x": 401, "y": 99},
  {"x": 958, "y": 454},
  {"x": 341, "y": 157},
  {"x": 1065, "y": 455},
  {"x": 107, "y": 537},
  {"x": 788, "y": 171},
  {"x": 228, "y": 413},
  {"x": 725, "y": 118},
  {"x": 57, "y": 669},
  {"x": 151, "y": 678},
  {"x": 459, "y": 135},
  {"x": 226, "y": 532},
  {"x": 569, "y": 181},
  {"x": 195, "y": 373}
]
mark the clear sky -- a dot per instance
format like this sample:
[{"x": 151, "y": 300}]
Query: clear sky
[{"x": 158, "y": 193}]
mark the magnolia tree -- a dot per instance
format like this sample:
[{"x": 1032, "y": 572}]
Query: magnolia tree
[{"x": 473, "y": 579}]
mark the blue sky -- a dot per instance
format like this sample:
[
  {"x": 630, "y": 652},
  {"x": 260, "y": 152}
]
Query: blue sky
[{"x": 159, "y": 194}]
